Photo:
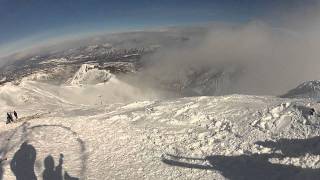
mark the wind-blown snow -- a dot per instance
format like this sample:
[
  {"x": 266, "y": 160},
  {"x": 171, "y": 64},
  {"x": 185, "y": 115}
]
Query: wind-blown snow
[{"x": 226, "y": 137}]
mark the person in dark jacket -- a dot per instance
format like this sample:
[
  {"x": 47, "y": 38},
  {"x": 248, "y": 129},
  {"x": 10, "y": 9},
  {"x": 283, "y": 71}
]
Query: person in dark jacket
[
  {"x": 9, "y": 118},
  {"x": 15, "y": 114}
]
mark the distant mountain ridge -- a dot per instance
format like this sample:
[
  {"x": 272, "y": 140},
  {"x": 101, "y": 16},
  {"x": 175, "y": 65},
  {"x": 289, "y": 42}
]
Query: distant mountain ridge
[{"x": 308, "y": 89}]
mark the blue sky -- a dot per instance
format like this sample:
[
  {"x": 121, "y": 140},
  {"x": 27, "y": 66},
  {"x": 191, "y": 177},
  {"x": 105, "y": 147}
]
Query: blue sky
[{"x": 21, "y": 19}]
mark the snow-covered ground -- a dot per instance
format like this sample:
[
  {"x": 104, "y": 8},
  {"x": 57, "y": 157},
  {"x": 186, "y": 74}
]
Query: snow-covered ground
[{"x": 225, "y": 137}]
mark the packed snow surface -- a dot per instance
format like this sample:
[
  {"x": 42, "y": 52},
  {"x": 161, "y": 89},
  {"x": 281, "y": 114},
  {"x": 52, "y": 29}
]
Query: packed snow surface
[{"x": 225, "y": 137}]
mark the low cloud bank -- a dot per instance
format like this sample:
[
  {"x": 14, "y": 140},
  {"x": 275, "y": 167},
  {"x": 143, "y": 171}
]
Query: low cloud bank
[{"x": 267, "y": 60}]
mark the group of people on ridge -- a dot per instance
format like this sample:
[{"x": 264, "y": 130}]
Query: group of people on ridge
[{"x": 10, "y": 117}]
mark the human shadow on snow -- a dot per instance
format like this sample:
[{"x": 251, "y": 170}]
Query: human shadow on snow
[
  {"x": 18, "y": 165},
  {"x": 294, "y": 147},
  {"x": 8, "y": 145},
  {"x": 82, "y": 146},
  {"x": 22, "y": 164},
  {"x": 53, "y": 172},
  {"x": 257, "y": 166}
]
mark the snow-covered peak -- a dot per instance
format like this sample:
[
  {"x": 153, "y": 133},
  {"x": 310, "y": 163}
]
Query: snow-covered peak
[
  {"x": 89, "y": 74},
  {"x": 308, "y": 89},
  {"x": 107, "y": 45},
  {"x": 39, "y": 76},
  {"x": 92, "y": 47},
  {"x": 310, "y": 84}
]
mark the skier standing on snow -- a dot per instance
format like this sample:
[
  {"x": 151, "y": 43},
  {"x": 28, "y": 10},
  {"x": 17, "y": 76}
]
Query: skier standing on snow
[
  {"x": 15, "y": 114},
  {"x": 9, "y": 118}
]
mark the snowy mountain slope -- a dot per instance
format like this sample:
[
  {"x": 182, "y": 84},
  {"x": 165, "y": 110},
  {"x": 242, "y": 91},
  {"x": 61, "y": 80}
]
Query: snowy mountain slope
[
  {"x": 88, "y": 74},
  {"x": 309, "y": 89},
  {"x": 228, "y": 137},
  {"x": 30, "y": 92}
]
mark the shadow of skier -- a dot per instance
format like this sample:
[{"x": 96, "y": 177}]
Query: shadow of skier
[
  {"x": 8, "y": 145},
  {"x": 257, "y": 166},
  {"x": 294, "y": 147},
  {"x": 22, "y": 164},
  {"x": 248, "y": 167},
  {"x": 53, "y": 172},
  {"x": 82, "y": 146}
]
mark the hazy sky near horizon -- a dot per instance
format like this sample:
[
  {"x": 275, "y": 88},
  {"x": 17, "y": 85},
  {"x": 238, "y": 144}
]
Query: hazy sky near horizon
[{"x": 22, "y": 19}]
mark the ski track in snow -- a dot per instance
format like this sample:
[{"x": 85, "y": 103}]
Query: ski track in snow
[{"x": 162, "y": 139}]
